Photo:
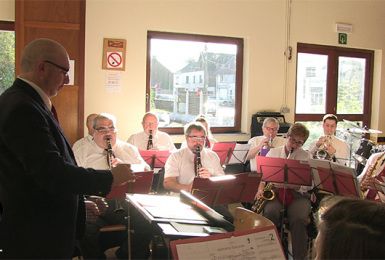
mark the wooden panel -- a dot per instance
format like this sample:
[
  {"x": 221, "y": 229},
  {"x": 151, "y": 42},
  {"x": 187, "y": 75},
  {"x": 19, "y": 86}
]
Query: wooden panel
[{"x": 63, "y": 21}]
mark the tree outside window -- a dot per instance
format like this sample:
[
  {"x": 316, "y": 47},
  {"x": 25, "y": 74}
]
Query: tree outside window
[{"x": 7, "y": 55}]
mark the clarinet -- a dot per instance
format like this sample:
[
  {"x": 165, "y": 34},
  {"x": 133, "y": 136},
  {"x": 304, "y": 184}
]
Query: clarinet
[
  {"x": 290, "y": 152},
  {"x": 110, "y": 153},
  {"x": 197, "y": 162},
  {"x": 150, "y": 145}
]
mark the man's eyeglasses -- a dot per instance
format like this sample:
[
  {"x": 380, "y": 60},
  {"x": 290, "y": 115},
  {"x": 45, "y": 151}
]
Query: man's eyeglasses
[
  {"x": 297, "y": 142},
  {"x": 105, "y": 130},
  {"x": 197, "y": 138},
  {"x": 63, "y": 70},
  {"x": 274, "y": 129}
]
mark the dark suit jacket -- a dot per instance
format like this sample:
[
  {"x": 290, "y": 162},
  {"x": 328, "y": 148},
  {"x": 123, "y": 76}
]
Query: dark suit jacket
[{"x": 40, "y": 184}]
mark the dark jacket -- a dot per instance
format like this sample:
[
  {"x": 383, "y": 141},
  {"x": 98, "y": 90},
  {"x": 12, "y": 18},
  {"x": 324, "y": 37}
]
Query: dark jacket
[{"x": 40, "y": 184}]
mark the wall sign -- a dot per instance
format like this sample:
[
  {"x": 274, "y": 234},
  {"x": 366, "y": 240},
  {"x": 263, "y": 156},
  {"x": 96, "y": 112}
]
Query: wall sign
[{"x": 114, "y": 54}]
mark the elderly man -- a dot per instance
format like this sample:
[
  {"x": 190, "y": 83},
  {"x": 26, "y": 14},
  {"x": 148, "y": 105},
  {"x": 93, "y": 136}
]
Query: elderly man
[
  {"x": 180, "y": 170},
  {"x": 260, "y": 145},
  {"x": 330, "y": 146},
  {"x": 41, "y": 186},
  {"x": 89, "y": 137},
  {"x": 94, "y": 155},
  {"x": 151, "y": 138}
]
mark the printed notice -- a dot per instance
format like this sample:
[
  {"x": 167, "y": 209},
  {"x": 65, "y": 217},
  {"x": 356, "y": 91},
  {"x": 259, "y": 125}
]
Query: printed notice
[
  {"x": 256, "y": 245},
  {"x": 113, "y": 81}
]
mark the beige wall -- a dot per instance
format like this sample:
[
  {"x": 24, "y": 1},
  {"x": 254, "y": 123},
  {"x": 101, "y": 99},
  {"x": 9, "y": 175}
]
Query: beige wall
[
  {"x": 260, "y": 22},
  {"x": 7, "y": 10}
]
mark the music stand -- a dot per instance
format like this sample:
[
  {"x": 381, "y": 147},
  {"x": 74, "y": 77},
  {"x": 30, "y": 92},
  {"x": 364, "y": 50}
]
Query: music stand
[
  {"x": 239, "y": 154},
  {"x": 286, "y": 171},
  {"x": 224, "y": 151},
  {"x": 155, "y": 158},
  {"x": 334, "y": 178},
  {"x": 142, "y": 184},
  {"x": 226, "y": 189}
]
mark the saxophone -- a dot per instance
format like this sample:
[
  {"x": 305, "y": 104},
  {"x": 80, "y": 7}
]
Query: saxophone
[
  {"x": 371, "y": 172},
  {"x": 267, "y": 195}
]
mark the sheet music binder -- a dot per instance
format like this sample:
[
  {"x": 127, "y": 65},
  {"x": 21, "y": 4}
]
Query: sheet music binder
[
  {"x": 258, "y": 243},
  {"x": 142, "y": 184},
  {"x": 334, "y": 178},
  {"x": 155, "y": 158},
  {"x": 286, "y": 171},
  {"x": 214, "y": 191}
]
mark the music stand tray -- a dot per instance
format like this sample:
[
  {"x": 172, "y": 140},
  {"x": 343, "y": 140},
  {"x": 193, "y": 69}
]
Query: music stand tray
[
  {"x": 142, "y": 185},
  {"x": 155, "y": 158},
  {"x": 286, "y": 171},
  {"x": 334, "y": 178},
  {"x": 224, "y": 151},
  {"x": 226, "y": 189}
]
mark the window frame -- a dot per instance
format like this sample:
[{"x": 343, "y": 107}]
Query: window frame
[
  {"x": 201, "y": 38},
  {"x": 7, "y": 25},
  {"x": 333, "y": 52}
]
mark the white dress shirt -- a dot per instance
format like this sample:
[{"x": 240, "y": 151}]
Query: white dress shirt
[
  {"x": 342, "y": 150},
  {"x": 161, "y": 141},
  {"x": 81, "y": 142},
  {"x": 90, "y": 155},
  {"x": 180, "y": 164}
]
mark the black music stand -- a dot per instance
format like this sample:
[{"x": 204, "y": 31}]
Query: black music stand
[
  {"x": 226, "y": 189},
  {"x": 334, "y": 178},
  {"x": 239, "y": 154},
  {"x": 142, "y": 184},
  {"x": 224, "y": 151},
  {"x": 155, "y": 158}
]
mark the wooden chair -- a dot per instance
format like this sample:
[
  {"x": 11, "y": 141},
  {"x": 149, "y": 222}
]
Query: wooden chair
[{"x": 245, "y": 219}]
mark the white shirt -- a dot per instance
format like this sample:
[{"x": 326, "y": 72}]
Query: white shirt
[
  {"x": 90, "y": 155},
  {"x": 81, "y": 142},
  {"x": 277, "y": 142},
  {"x": 161, "y": 141},
  {"x": 342, "y": 150},
  {"x": 297, "y": 154},
  {"x": 180, "y": 164}
]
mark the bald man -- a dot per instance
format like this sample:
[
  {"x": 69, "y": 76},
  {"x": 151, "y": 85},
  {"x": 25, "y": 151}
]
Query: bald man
[{"x": 40, "y": 185}]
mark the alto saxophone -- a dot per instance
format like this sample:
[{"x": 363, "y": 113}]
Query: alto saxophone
[
  {"x": 267, "y": 195},
  {"x": 371, "y": 172}
]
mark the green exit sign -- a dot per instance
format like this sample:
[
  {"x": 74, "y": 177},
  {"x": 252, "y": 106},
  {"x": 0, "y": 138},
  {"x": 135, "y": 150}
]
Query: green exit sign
[{"x": 342, "y": 38}]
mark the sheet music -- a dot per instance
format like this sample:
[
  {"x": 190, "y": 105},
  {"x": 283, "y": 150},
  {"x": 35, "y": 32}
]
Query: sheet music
[
  {"x": 239, "y": 154},
  {"x": 260, "y": 245}
]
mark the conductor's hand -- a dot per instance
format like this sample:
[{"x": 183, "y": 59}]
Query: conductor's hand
[{"x": 122, "y": 173}]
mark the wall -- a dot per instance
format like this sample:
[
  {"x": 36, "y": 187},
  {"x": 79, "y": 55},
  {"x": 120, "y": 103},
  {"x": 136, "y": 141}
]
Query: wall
[
  {"x": 7, "y": 10},
  {"x": 262, "y": 25}
]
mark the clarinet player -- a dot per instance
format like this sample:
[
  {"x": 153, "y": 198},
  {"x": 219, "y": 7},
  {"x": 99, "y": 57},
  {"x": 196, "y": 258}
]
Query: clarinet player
[
  {"x": 151, "y": 138},
  {"x": 181, "y": 165}
]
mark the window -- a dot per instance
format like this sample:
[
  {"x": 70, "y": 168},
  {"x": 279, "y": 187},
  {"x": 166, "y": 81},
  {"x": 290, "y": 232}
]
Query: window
[
  {"x": 199, "y": 75},
  {"x": 7, "y": 57},
  {"x": 333, "y": 80}
]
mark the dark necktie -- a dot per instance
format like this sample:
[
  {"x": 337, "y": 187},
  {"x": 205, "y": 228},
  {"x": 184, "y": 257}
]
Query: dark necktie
[{"x": 53, "y": 110}]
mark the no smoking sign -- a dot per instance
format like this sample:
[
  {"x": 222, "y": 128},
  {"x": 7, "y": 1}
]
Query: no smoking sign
[
  {"x": 114, "y": 53},
  {"x": 114, "y": 60}
]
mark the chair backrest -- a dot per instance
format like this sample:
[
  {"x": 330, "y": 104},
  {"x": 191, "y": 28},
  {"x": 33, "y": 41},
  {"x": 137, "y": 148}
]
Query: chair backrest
[{"x": 245, "y": 219}]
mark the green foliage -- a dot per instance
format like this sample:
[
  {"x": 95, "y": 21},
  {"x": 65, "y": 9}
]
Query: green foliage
[{"x": 7, "y": 59}]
